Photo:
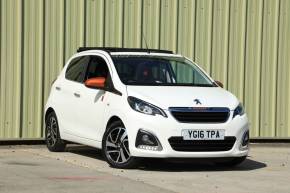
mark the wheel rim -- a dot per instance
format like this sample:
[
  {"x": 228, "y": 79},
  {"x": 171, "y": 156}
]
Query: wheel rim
[
  {"x": 117, "y": 146},
  {"x": 51, "y": 131}
]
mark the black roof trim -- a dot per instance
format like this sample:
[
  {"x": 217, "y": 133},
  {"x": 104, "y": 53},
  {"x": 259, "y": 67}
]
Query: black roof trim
[{"x": 113, "y": 49}]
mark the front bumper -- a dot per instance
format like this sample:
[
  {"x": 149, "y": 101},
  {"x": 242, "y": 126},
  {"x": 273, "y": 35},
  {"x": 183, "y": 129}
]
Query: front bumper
[{"x": 164, "y": 128}]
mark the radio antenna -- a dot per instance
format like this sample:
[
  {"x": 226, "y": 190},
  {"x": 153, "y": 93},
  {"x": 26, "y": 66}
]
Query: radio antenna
[{"x": 143, "y": 36}]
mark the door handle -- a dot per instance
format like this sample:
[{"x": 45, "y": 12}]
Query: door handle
[{"x": 77, "y": 95}]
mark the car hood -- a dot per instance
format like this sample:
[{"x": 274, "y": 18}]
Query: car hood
[{"x": 183, "y": 96}]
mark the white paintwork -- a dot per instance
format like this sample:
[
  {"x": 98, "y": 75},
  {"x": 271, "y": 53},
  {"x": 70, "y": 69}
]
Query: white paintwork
[
  {"x": 84, "y": 119},
  {"x": 178, "y": 96}
]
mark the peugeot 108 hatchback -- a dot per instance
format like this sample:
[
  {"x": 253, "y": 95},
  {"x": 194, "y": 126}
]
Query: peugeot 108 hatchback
[{"x": 136, "y": 103}]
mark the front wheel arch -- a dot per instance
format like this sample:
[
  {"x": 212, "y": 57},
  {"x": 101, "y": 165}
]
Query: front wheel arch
[{"x": 112, "y": 120}]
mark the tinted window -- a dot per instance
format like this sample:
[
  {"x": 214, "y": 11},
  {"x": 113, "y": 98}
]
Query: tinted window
[
  {"x": 76, "y": 69},
  {"x": 97, "y": 68}
]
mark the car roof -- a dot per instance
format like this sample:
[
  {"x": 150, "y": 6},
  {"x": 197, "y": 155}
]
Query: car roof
[{"x": 116, "y": 49}]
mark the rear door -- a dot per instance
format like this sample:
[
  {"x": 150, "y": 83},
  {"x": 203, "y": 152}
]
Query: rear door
[{"x": 70, "y": 94}]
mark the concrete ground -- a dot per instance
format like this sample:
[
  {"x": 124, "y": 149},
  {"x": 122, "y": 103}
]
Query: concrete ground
[{"x": 82, "y": 169}]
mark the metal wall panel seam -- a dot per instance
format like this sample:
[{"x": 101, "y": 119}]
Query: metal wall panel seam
[
  {"x": 195, "y": 31},
  {"x": 141, "y": 24},
  {"x": 43, "y": 67},
  {"x": 177, "y": 25},
  {"x": 261, "y": 59},
  {"x": 211, "y": 40},
  {"x": 104, "y": 23},
  {"x": 122, "y": 21},
  {"x": 159, "y": 27},
  {"x": 245, "y": 53},
  {"x": 1, "y": 107},
  {"x": 228, "y": 45},
  {"x": 22, "y": 71},
  {"x": 85, "y": 23},
  {"x": 277, "y": 69},
  {"x": 64, "y": 32},
  {"x": 1, "y": 68},
  {"x": 63, "y": 24}
]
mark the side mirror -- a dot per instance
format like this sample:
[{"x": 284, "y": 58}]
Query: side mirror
[
  {"x": 218, "y": 83},
  {"x": 98, "y": 82}
]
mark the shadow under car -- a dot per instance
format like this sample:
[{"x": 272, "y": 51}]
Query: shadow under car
[{"x": 174, "y": 164}]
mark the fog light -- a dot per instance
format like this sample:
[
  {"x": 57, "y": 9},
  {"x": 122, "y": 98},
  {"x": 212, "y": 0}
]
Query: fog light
[
  {"x": 246, "y": 138},
  {"x": 146, "y": 140},
  {"x": 245, "y": 141}
]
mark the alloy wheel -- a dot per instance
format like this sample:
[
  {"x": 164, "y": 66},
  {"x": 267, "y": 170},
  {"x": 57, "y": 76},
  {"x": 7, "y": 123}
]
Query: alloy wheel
[
  {"x": 117, "y": 146},
  {"x": 51, "y": 127}
]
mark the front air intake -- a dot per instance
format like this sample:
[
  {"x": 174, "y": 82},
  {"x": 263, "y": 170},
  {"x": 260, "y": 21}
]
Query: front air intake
[{"x": 178, "y": 144}]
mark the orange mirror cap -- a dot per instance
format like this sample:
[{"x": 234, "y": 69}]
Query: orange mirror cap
[
  {"x": 218, "y": 83},
  {"x": 98, "y": 82}
]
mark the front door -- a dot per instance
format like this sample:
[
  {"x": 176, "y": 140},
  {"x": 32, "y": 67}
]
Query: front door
[{"x": 90, "y": 114}]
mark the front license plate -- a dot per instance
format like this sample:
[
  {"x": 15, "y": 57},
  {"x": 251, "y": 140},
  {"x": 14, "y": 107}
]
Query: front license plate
[{"x": 193, "y": 134}]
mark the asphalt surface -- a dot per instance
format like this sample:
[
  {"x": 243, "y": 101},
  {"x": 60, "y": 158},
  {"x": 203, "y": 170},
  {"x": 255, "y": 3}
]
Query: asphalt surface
[{"x": 82, "y": 169}]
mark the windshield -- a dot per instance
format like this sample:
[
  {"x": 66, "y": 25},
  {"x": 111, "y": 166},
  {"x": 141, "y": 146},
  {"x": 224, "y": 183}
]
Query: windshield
[{"x": 159, "y": 70}]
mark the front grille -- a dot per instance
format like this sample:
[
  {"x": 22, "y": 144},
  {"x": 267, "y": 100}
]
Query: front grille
[
  {"x": 200, "y": 115},
  {"x": 178, "y": 144}
]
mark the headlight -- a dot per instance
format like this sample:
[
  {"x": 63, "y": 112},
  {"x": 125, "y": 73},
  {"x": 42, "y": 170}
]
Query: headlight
[
  {"x": 144, "y": 107},
  {"x": 239, "y": 110}
]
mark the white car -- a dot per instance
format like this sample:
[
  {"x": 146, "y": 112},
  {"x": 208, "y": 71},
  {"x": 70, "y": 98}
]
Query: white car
[{"x": 137, "y": 103}]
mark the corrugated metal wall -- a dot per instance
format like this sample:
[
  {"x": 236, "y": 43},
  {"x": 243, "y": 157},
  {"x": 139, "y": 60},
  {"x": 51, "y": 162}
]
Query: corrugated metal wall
[{"x": 243, "y": 43}]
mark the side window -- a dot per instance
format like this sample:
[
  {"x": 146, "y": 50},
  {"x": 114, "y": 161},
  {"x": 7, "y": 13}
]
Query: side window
[
  {"x": 97, "y": 68},
  {"x": 76, "y": 69}
]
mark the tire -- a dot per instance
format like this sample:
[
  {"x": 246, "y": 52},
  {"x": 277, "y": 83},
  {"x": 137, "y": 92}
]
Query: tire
[
  {"x": 52, "y": 137},
  {"x": 232, "y": 163},
  {"x": 115, "y": 147}
]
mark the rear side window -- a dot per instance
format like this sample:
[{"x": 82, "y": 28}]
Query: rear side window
[{"x": 76, "y": 69}]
